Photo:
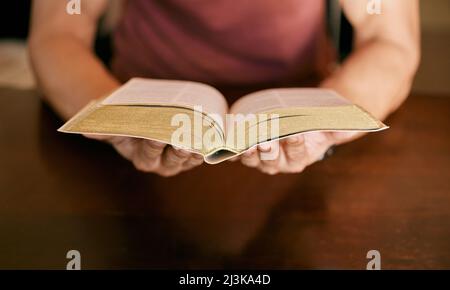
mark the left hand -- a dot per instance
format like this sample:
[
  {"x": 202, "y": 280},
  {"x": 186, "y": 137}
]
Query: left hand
[{"x": 295, "y": 153}]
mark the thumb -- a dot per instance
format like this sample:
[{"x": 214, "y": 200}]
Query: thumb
[
  {"x": 345, "y": 136},
  {"x": 98, "y": 137}
]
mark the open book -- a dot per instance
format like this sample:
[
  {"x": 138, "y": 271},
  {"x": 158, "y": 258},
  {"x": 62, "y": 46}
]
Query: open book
[{"x": 196, "y": 117}]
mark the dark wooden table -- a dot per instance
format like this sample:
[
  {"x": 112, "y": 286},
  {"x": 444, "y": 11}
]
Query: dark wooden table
[{"x": 389, "y": 191}]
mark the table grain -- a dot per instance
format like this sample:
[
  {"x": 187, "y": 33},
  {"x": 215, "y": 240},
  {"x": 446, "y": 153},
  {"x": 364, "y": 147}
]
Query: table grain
[{"x": 389, "y": 191}]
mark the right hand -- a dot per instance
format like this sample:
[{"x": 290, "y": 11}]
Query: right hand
[{"x": 152, "y": 156}]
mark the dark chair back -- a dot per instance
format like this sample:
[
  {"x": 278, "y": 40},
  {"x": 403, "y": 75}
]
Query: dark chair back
[{"x": 339, "y": 29}]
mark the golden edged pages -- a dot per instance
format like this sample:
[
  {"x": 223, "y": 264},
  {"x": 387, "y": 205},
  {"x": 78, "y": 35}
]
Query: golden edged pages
[{"x": 196, "y": 116}]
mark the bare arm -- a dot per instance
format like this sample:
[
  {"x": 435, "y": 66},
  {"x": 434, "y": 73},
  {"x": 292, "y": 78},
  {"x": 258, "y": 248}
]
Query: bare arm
[
  {"x": 379, "y": 73},
  {"x": 70, "y": 75},
  {"x": 68, "y": 72},
  {"x": 376, "y": 76}
]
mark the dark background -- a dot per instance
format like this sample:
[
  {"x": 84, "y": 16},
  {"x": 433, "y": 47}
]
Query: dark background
[{"x": 432, "y": 77}]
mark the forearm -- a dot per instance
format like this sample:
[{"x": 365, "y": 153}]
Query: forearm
[
  {"x": 68, "y": 73},
  {"x": 377, "y": 76}
]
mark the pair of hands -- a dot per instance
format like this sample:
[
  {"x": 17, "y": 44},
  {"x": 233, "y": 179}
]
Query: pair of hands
[{"x": 290, "y": 155}]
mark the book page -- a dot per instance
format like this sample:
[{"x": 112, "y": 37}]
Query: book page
[
  {"x": 292, "y": 111},
  {"x": 281, "y": 101},
  {"x": 132, "y": 121},
  {"x": 267, "y": 100},
  {"x": 140, "y": 91}
]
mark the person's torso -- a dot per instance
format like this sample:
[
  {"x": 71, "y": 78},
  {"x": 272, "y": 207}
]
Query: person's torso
[{"x": 220, "y": 41}]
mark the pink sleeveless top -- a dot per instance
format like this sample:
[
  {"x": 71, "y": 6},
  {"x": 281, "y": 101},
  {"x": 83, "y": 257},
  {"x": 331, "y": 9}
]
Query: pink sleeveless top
[{"x": 221, "y": 42}]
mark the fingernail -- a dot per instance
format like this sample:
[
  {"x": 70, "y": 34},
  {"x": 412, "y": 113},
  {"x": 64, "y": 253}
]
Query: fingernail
[{"x": 264, "y": 147}]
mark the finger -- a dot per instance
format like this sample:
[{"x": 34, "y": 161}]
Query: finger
[
  {"x": 250, "y": 158},
  {"x": 270, "y": 157},
  {"x": 294, "y": 149},
  {"x": 193, "y": 161},
  {"x": 345, "y": 136},
  {"x": 234, "y": 159},
  {"x": 125, "y": 146},
  {"x": 316, "y": 144},
  {"x": 147, "y": 155},
  {"x": 151, "y": 150},
  {"x": 98, "y": 137},
  {"x": 173, "y": 158}
]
